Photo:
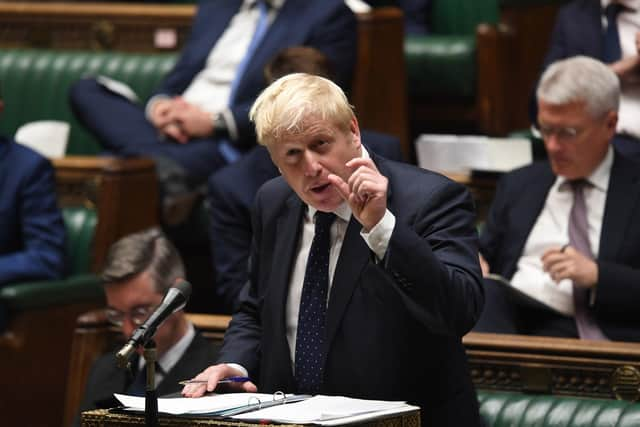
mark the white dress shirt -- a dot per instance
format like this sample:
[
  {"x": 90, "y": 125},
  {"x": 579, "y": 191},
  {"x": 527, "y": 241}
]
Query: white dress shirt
[
  {"x": 628, "y": 26},
  {"x": 552, "y": 230}
]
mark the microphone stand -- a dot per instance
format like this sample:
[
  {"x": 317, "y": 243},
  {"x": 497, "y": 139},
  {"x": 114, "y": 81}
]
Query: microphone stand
[{"x": 150, "y": 395}]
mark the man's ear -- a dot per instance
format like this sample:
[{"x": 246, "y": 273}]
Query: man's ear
[{"x": 355, "y": 131}]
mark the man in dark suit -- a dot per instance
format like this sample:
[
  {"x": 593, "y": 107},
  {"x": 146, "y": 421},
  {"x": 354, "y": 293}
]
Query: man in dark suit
[
  {"x": 32, "y": 233},
  {"x": 232, "y": 189},
  {"x": 197, "y": 121},
  {"x": 371, "y": 305},
  {"x": 610, "y": 32},
  {"x": 139, "y": 269},
  {"x": 531, "y": 233}
]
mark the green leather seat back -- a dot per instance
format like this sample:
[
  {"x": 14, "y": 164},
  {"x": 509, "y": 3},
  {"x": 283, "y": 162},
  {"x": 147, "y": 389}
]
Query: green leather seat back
[
  {"x": 443, "y": 63},
  {"x": 462, "y": 16},
  {"x": 35, "y": 85},
  {"x": 80, "y": 223},
  {"x": 502, "y": 409}
]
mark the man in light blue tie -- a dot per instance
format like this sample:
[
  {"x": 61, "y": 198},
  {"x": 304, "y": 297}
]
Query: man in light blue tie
[{"x": 197, "y": 120}]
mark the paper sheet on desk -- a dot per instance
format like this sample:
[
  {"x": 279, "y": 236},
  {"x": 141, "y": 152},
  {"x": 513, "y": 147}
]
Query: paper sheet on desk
[
  {"x": 464, "y": 153},
  {"x": 328, "y": 411},
  {"x": 200, "y": 405}
]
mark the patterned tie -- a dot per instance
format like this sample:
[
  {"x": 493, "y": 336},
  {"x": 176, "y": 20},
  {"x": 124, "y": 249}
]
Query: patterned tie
[
  {"x": 139, "y": 385},
  {"x": 612, "y": 51},
  {"x": 579, "y": 239},
  {"x": 261, "y": 29},
  {"x": 313, "y": 305}
]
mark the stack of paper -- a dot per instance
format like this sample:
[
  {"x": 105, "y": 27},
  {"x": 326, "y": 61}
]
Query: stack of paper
[
  {"x": 322, "y": 410},
  {"x": 328, "y": 411}
]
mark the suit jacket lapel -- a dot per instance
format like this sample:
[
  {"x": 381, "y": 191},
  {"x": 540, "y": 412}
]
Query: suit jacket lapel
[
  {"x": 354, "y": 256},
  {"x": 287, "y": 235},
  {"x": 622, "y": 197},
  {"x": 526, "y": 213}
]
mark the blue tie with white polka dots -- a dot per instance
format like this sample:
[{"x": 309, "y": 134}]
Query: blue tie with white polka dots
[{"x": 313, "y": 305}]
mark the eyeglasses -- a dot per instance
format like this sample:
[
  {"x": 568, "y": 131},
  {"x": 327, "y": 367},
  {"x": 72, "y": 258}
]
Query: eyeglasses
[
  {"x": 561, "y": 133},
  {"x": 138, "y": 315}
]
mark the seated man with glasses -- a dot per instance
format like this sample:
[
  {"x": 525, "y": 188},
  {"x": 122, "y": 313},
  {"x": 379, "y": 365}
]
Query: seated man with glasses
[
  {"x": 138, "y": 271},
  {"x": 564, "y": 235}
]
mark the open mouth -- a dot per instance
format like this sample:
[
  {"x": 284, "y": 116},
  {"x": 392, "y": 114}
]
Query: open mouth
[{"x": 320, "y": 188}]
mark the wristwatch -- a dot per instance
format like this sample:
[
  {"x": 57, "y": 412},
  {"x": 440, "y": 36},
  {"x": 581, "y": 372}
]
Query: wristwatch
[{"x": 220, "y": 128}]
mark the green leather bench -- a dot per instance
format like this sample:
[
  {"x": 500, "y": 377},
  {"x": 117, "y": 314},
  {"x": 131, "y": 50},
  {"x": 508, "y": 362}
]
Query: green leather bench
[
  {"x": 502, "y": 409},
  {"x": 35, "y": 85},
  {"x": 35, "y": 347}
]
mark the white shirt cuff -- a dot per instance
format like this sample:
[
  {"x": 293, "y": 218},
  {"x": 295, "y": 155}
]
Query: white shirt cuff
[
  {"x": 239, "y": 368},
  {"x": 379, "y": 236}
]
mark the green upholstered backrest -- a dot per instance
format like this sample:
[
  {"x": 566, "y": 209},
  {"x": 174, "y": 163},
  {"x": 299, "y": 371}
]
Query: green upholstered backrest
[
  {"x": 502, "y": 409},
  {"x": 80, "y": 223},
  {"x": 35, "y": 85},
  {"x": 461, "y": 16},
  {"x": 441, "y": 65}
]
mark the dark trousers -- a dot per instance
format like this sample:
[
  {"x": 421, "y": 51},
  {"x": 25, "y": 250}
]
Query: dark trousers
[
  {"x": 123, "y": 130},
  {"x": 504, "y": 313}
]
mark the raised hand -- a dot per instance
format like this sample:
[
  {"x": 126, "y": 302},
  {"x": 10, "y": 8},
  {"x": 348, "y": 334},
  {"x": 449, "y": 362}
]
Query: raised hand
[{"x": 365, "y": 191}]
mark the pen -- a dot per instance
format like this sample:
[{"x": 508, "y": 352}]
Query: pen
[{"x": 222, "y": 381}]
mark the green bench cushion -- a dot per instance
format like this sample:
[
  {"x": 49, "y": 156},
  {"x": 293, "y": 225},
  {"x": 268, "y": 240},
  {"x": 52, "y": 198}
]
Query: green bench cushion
[
  {"x": 33, "y": 295},
  {"x": 80, "y": 224},
  {"x": 462, "y": 16},
  {"x": 35, "y": 85},
  {"x": 501, "y": 409},
  {"x": 441, "y": 65}
]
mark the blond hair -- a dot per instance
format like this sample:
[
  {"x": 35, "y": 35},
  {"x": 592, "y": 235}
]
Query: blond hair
[{"x": 290, "y": 103}]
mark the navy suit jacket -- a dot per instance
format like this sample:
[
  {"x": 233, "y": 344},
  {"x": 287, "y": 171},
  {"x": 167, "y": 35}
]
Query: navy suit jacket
[
  {"x": 327, "y": 25},
  {"x": 519, "y": 199},
  {"x": 106, "y": 378},
  {"x": 394, "y": 327},
  {"x": 32, "y": 233},
  {"x": 230, "y": 197}
]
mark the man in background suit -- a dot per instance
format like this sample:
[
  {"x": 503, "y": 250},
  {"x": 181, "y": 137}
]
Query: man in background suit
[
  {"x": 32, "y": 233},
  {"x": 232, "y": 189},
  {"x": 528, "y": 235},
  {"x": 607, "y": 30},
  {"x": 389, "y": 288},
  {"x": 138, "y": 271},
  {"x": 197, "y": 120}
]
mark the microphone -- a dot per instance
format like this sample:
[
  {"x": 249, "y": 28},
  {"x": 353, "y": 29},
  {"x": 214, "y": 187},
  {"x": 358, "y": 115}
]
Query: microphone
[{"x": 175, "y": 299}]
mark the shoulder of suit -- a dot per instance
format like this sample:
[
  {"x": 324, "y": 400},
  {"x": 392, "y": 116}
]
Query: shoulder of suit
[{"x": 25, "y": 157}]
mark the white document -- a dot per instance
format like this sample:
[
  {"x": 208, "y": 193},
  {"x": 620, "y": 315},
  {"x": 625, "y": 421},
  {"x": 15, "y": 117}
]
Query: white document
[
  {"x": 201, "y": 405},
  {"x": 118, "y": 87},
  {"x": 47, "y": 137},
  {"x": 327, "y": 410},
  {"x": 464, "y": 153}
]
